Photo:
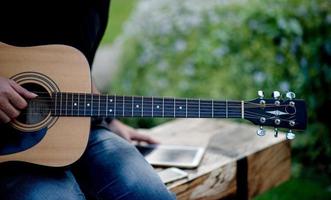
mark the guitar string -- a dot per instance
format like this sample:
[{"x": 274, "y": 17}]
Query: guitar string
[{"x": 128, "y": 101}]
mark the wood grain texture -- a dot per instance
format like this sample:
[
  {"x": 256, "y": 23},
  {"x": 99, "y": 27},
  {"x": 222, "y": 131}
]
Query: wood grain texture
[
  {"x": 226, "y": 142},
  {"x": 67, "y": 67}
]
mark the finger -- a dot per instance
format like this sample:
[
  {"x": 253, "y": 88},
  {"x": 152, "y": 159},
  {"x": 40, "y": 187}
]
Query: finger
[
  {"x": 22, "y": 91},
  {"x": 144, "y": 138},
  {"x": 17, "y": 100},
  {"x": 8, "y": 109},
  {"x": 3, "y": 117}
]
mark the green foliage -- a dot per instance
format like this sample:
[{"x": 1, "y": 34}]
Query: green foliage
[
  {"x": 236, "y": 49},
  {"x": 118, "y": 13},
  {"x": 297, "y": 188}
]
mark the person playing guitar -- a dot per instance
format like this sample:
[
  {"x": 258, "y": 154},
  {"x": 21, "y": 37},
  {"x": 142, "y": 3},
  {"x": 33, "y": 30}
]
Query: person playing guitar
[{"x": 111, "y": 167}]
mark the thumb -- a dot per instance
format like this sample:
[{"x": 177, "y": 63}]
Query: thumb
[{"x": 22, "y": 91}]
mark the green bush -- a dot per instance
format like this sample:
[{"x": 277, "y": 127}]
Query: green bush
[{"x": 233, "y": 50}]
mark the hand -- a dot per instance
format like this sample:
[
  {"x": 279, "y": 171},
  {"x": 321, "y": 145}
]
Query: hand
[
  {"x": 129, "y": 133},
  {"x": 12, "y": 99}
]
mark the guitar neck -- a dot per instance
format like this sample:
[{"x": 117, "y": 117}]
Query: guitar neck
[{"x": 94, "y": 105}]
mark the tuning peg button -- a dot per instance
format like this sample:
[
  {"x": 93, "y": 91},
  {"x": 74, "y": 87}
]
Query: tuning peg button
[
  {"x": 261, "y": 94},
  {"x": 276, "y": 132},
  {"x": 290, "y": 95},
  {"x": 276, "y": 94},
  {"x": 290, "y": 135},
  {"x": 260, "y": 131}
]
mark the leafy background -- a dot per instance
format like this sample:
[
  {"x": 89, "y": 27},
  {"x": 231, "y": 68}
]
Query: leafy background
[{"x": 231, "y": 49}]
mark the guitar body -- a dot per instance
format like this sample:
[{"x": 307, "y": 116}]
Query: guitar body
[
  {"x": 48, "y": 140},
  {"x": 54, "y": 128}
]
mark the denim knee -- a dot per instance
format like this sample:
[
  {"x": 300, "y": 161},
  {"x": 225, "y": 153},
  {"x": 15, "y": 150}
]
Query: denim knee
[{"x": 118, "y": 170}]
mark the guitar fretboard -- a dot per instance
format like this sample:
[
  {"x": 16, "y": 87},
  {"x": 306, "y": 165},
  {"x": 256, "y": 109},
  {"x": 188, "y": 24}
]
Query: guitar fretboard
[{"x": 93, "y": 105}]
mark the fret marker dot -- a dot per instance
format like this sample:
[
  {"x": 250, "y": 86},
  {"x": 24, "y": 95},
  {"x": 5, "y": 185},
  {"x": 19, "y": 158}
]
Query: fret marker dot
[
  {"x": 110, "y": 110},
  {"x": 157, "y": 106},
  {"x": 180, "y": 107},
  {"x": 137, "y": 106},
  {"x": 75, "y": 104},
  {"x": 111, "y": 100}
]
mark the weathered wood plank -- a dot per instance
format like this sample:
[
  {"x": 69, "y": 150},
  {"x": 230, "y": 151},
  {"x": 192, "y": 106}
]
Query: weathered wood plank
[{"x": 226, "y": 142}]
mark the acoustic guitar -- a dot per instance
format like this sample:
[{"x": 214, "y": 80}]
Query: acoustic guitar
[{"x": 54, "y": 129}]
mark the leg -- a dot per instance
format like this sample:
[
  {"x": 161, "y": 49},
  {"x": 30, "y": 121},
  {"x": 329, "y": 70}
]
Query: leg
[
  {"x": 21, "y": 181},
  {"x": 111, "y": 168}
]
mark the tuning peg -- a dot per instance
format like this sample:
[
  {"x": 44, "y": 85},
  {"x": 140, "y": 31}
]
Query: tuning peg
[
  {"x": 276, "y": 132},
  {"x": 260, "y": 93},
  {"x": 276, "y": 94},
  {"x": 290, "y": 95},
  {"x": 260, "y": 131},
  {"x": 290, "y": 135}
]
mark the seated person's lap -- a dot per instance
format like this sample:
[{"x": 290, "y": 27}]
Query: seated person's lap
[{"x": 110, "y": 168}]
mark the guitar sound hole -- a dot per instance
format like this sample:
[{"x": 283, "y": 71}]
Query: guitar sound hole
[{"x": 38, "y": 108}]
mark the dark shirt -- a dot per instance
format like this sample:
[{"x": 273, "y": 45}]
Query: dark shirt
[{"x": 78, "y": 23}]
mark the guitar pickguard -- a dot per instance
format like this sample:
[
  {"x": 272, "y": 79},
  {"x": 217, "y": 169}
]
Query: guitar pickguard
[{"x": 14, "y": 141}]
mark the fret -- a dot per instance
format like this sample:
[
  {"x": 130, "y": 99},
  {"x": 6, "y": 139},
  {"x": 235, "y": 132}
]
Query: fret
[
  {"x": 132, "y": 106},
  {"x": 219, "y": 109},
  {"x": 111, "y": 106},
  {"x": 163, "y": 107},
  {"x": 60, "y": 111},
  {"x": 242, "y": 110},
  {"x": 81, "y": 104},
  {"x": 192, "y": 108},
  {"x": 88, "y": 104},
  {"x": 99, "y": 106},
  {"x": 128, "y": 106},
  {"x": 119, "y": 106},
  {"x": 205, "y": 109},
  {"x": 91, "y": 104},
  {"x": 123, "y": 102},
  {"x": 186, "y": 108},
  {"x": 103, "y": 106},
  {"x": 158, "y": 107},
  {"x": 142, "y": 106},
  {"x": 199, "y": 108},
  {"x": 75, "y": 110},
  {"x": 137, "y": 104},
  {"x": 212, "y": 108},
  {"x": 152, "y": 106},
  {"x": 148, "y": 107},
  {"x": 180, "y": 108},
  {"x": 115, "y": 105},
  {"x": 234, "y": 109},
  {"x": 66, "y": 103},
  {"x": 78, "y": 105},
  {"x": 107, "y": 105},
  {"x": 55, "y": 104},
  {"x": 95, "y": 105},
  {"x": 84, "y": 104},
  {"x": 226, "y": 107},
  {"x": 169, "y": 107}
]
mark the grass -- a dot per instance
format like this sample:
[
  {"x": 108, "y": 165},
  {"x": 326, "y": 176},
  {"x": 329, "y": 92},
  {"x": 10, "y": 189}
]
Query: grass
[
  {"x": 308, "y": 185},
  {"x": 119, "y": 12}
]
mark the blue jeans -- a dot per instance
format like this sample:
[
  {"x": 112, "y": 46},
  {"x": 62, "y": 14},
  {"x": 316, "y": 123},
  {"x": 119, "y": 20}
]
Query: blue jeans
[{"x": 110, "y": 168}]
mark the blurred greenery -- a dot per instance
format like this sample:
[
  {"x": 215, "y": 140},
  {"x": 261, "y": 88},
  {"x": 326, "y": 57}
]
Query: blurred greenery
[
  {"x": 119, "y": 12},
  {"x": 237, "y": 49}
]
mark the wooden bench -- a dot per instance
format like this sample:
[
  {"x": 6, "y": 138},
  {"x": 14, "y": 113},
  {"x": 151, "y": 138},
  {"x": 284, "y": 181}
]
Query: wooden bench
[{"x": 237, "y": 164}]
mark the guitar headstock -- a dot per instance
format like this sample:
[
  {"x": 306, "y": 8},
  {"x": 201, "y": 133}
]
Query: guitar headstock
[{"x": 288, "y": 113}]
